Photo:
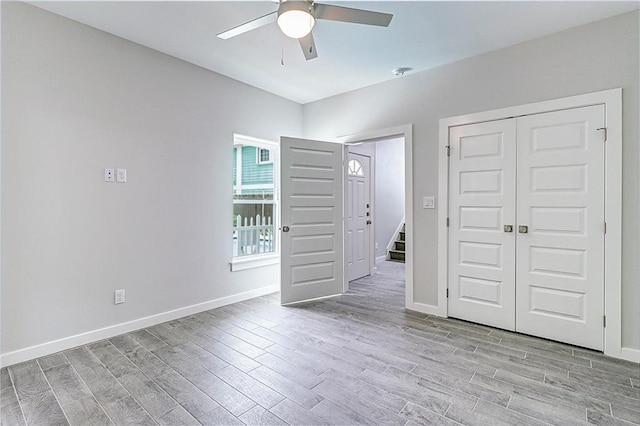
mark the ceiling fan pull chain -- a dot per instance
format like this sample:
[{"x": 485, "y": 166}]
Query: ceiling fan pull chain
[
  {"x": 281, "y": 49},
  {"x": 311, "y": 23}
]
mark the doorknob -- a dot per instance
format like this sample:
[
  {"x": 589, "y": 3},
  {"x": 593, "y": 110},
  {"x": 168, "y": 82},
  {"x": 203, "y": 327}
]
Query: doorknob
[
  {"x": 523, "y": 229},
  {"x": 285, "y": 229},
  {"x": 508, "y": 228}
]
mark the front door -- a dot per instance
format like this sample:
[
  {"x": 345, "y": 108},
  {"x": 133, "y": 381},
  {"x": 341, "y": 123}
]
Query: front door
[
  {"x": 358, "y": 215},
  {"x": 312, "y": 256}
]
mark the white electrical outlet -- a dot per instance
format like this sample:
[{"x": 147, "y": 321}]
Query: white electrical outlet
[
  {"x": 121, "y": 175},
  {"x": 109, "y": 175},
  {"x": 119, "y": 297}
]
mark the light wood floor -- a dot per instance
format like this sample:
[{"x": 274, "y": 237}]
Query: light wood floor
[{"x": 354, "y": 359}]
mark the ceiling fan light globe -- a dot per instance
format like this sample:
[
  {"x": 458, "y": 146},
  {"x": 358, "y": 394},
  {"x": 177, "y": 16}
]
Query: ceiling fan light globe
[{"x": 296, "y": 23}]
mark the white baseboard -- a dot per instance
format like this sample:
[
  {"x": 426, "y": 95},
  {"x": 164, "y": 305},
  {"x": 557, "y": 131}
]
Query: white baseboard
[
  {"x": 381, "y": 259},
  {"x": 426, "y": 309},
  {"x": 48, "y": 348},
  {"x": 54, "y": 346},
  {"x": 630, "y": 354}
]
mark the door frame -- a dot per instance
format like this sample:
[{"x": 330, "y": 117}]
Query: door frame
[
  {"x": 612, "y": 101},
  {"x": 405, "y": 131}
]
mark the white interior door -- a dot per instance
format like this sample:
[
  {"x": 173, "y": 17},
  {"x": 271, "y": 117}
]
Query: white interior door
[
  {"x": 560, "y": 258},
  {"x": 312, "y": 257},
  {"x": 482, "y": 202},
  {"x": 358, "y": 216}
]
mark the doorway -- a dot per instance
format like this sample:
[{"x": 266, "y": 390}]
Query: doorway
[
  {"x": 383, "y": 207},
  {"x": 312, "y": 248},
  {"x": 382, "y": 204}
]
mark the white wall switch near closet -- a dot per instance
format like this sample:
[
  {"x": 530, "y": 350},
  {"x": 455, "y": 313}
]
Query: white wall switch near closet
[
  {"x": 121, "y": 175},
  {"x": 429, "y": 202}
]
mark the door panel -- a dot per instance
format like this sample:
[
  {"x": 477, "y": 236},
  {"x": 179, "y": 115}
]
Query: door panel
[
  {"x": 482, "y": 201},
  {"x": 312, "y": 208},
  {"x": 560, "y": 260},
  {"x": 358, "y": 206}
]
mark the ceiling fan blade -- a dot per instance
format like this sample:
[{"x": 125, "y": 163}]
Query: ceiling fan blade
[
  {"x": 308, "y": 46},
  {"x": 356, "y": 16},
  {"x": 248, "y": 26}
]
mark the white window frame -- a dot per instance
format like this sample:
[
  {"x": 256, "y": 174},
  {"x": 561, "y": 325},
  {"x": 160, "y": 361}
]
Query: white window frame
[
  {"x": 262, "y": 259},
  {"x": 259, "y": 160},
  {"x": 353, "y": 171}
]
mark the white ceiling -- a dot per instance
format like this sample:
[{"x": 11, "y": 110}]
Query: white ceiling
[{"x": 422, "y": 35}]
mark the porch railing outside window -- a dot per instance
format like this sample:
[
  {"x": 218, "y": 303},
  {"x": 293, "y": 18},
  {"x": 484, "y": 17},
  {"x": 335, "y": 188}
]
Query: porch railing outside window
[{"x": 253, "y": 236}]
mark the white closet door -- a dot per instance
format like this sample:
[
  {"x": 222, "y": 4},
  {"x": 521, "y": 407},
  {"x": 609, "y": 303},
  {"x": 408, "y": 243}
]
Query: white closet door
[
  {"x": 560, "y": 259},
  {"x": 482, "y": 201}
]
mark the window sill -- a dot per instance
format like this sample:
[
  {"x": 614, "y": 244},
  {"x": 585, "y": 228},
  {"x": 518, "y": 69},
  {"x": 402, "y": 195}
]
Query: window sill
[{"x": 240, "y": 264}]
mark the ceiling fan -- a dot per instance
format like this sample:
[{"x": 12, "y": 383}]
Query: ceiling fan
[{"x": 296, "y": 19}]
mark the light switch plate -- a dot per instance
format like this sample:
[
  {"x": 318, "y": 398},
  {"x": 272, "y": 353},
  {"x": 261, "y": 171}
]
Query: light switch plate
[
  {"x": 121, "y": 175},
  {"x": 429, "y": 202}
]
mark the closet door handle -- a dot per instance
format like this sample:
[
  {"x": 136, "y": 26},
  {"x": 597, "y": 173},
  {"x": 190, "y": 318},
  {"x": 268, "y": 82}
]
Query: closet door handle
[
  {"x": 523, "y": 229},
  {"x": 508, "y": 228}
]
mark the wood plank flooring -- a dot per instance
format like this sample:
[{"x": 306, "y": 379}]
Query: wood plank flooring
[{"x": 354, "y": 359}]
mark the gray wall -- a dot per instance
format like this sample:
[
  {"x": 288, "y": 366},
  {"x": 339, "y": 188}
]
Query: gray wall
[
  {"x": 76, "y": 100},
  {"x": 594, "y": 57},
  {"x": 389, "y": 195}
]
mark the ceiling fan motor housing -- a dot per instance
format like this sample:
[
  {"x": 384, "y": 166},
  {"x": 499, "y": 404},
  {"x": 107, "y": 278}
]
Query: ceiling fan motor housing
[{"x": 296, "y": 18}]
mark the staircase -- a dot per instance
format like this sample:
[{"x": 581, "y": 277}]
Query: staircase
[{"x": 396, "y": 254}]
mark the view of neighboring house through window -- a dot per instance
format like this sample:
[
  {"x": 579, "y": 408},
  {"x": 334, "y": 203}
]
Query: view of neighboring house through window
[{"x": 254, "y": 197}]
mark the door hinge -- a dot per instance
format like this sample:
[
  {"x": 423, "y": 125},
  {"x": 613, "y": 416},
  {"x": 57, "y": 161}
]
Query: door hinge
[
  {"x": 447, "y": 293},
  {"x": 605, "y": 132},
  {"x": 447, "y": 222},
  {"x": 448, "y": 150},
  {"x": 604, "y": 320},
  {"x": 605, "y": 227}
]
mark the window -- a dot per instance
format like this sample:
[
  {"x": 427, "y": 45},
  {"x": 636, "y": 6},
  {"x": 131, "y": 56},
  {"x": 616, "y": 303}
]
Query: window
[
  {"x": 255, "y": 202},
  {"x": 355, "y": 168},
  {"x": 264, "y": 156}
]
